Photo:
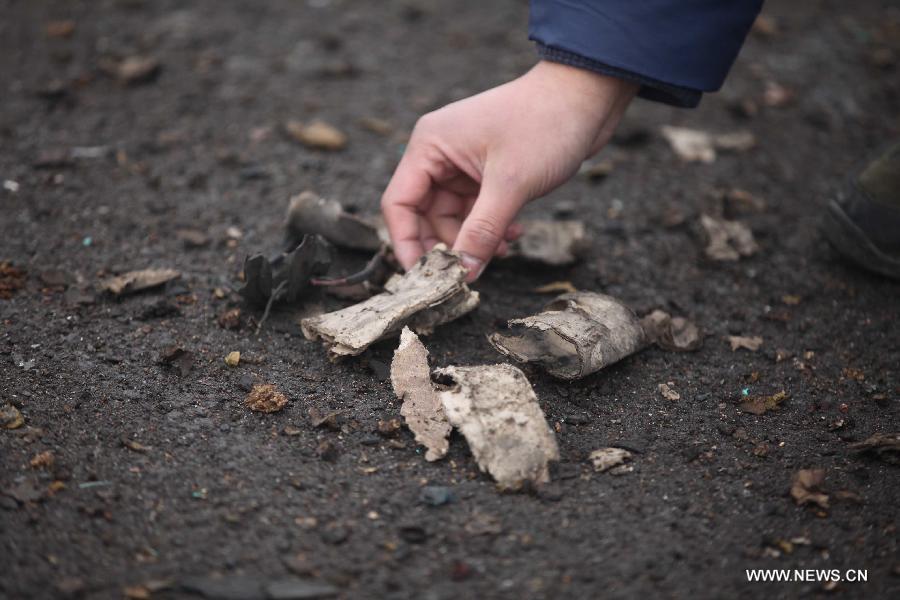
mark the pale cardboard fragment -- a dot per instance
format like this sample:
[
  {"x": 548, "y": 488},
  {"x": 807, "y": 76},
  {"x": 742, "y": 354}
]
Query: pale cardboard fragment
[
  {"x": 431, "y": 293},
  {"x": 605, "y": 459},
  {"x": 552, "y": 242},
  {"x": 727, "y": 240},
  {"x": 308, "y": 213},
  {"x": 751, "y": 343},
  {"x": 135, "y": 281},
  {"x": 318, "y": 135},
  {"x": 576, "y": 335},
  {"x": 693, "y": 145},
  {"x": 422, "y": 409},
  {"x": 496, "y": 410}
]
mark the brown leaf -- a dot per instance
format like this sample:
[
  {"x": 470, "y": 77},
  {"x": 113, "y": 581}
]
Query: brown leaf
[
  {"x": 556, "y": 287},
  {"x": 10, "y": 417},
  {"x": 136, "y": 281},
  {"x": 12, "y": 279},
  {"x": 760, "y": 405},
  {"x": 265, "y": 398},
  {"x": 60, "y": 29},
  {"x": 134, "y": 445},
  {"x": 885, "y": 445},
  {"x": 747, "y": 343},
  {"x": 422, "y": 408},
  {"x": 42, "y": 460},
  {"x": 318, "y": 135},
  {"x": 807, "y": 488}
]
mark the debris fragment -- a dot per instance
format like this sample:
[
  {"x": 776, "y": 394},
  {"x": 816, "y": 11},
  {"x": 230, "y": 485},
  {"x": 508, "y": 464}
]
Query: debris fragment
[
  {"x": 556, "y": 287},
  {"x": 134, "y": 445},
  {"x": 431, "y": 293},
  {"x": 672, "y": 333},
  {"x": 286, "y": 276},
  {"x": 179, "y": 358},
  {"x": 331, "y": 420},
  {"x": 575, "y": 335},
  {"x": 132, "y": 70},
  {"x": 496, "y": 410},
  {"x": 760, "y": 405},
  {"x": 777, "y": 95},
  {"x": 551, "y": 242},
  {"x": 136, "y": 281},
  {"x": 806, "y": 488},
  {"x": 376, "y": 125},
  {"x": 192, "y": 238},
  {"x": 233, "y": 359},
  {"x": 436, "y": 495},
  {"x": 10, "y": 417},
  {"x": 597, "y": 171},
  {"x": 693, "y": 145},
  {"x": 751, "y": 343},
  {"x": 605, "y": 459},
  {"x": 727, "y": 240},
  {"x": 265, "y": 398},
  {"x": 422, "y": 408},
  {"x": 318, "y": 135},
  {"x": 12, "y": 279},
  {"x": 884, "y": 445},
  {"x": 309, "y": 213},
  {"x": 667, "y": 391}
]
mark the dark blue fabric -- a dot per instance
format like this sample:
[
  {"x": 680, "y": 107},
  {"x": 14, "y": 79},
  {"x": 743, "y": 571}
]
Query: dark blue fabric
[{"x": 687, "y": 46}]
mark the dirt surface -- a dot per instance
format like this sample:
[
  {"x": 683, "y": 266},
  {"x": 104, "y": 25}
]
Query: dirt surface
[{"x": 205, "y": 486}]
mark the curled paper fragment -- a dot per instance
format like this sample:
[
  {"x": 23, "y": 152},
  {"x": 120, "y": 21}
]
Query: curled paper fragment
[
  {"x": 576, "y": 334},
  {"x": 431, "y": 293},
  {"x": 552, "y": 242},
  {"x": 309, "y": 213},
  {"x": 672, "y": 333},
  {"x": 422, "y": 409},
  {"x": 496, "y": 410}
]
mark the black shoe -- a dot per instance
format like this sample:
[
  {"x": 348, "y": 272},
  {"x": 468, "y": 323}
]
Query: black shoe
[{"x": 863, "y": 223}]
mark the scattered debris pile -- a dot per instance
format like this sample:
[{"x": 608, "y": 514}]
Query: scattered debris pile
[{"x": 493, "y": 406}]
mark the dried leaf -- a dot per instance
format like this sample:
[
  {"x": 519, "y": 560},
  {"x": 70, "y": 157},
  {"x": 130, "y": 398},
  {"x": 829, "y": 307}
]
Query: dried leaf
[
  {"x": 422, "y": 408},
  {"x": 136, "y": 281},
  {"x": 605, "y": 459},
  {"x": 42, "y": 460},
  {"x": 667, "y": 391},
  {"x": 288, "y": 274},
  {"x": 885, "y": 445},
  {"x": 693, "y": 145},
  {"x": 10, "y": 417},
  {"x": 727, "y": 240},
  {"x": 760, "y": 405},
  {"x": 12, "y": 279},
  {"x": 575, "y": 335},
  {"x": 747, "y": 343},
  {"x": 431, "y": 293},
  {"x": 265, "y": 398},
  {"x": 551, "y": 242},
  {"x": 556, "y": 287},
  {"x": 672, "y": 333},
  {"x": 132, "y": 70},
  {"x": 318, "y": 135},
  {"x": 807, "y": 488},
  {"x": 134, "y": 445},
  {"x": 496, "y": 410},
  {"x": 309, "y": 213}
]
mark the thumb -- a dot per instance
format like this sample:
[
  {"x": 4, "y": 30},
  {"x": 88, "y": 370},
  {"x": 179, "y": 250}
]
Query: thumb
[{"x": 485, "y": 227}]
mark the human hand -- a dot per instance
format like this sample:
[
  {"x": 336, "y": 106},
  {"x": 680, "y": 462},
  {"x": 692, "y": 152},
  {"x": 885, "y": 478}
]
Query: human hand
[{"x": 471, "y": 166}]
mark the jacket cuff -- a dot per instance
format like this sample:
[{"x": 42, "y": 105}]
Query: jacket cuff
[{"x": 651, "y": 89}]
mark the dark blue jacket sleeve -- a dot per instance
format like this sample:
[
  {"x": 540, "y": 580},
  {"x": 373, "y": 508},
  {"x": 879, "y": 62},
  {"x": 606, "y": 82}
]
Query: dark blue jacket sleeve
[{"x": 675, "y": 49}]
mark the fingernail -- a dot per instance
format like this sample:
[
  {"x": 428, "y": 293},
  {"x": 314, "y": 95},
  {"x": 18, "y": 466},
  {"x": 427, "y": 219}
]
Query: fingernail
[{"x": 473, "y": 265}]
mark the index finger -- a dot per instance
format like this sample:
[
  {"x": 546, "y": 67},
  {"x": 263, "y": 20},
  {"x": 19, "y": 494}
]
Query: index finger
[{"x": 403, "y": 204}]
